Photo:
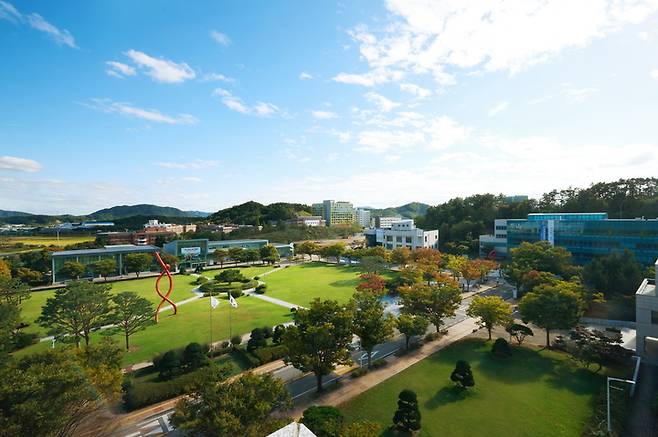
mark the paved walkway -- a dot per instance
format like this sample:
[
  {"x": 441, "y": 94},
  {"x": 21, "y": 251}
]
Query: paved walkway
[{"x": 355, "y": 387}]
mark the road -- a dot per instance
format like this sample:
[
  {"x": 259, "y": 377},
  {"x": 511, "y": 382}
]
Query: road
[{"x": 299, "y": 384}]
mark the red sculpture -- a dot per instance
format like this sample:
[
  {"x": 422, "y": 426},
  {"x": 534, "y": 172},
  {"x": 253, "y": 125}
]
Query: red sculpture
[{"x": 165, "y": 298}]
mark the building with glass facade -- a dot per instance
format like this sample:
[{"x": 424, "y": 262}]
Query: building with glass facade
[
  {"x": 198, "y": 252},
  {"x": 588, "y": 235},
  {"x": 335, "y": 212},
  {"x": 88, "y": 257}
]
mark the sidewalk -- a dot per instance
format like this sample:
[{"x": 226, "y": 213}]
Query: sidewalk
[{"x": 354, "y": 387}]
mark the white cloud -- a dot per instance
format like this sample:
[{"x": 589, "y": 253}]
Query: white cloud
[
  {"x": 654, "y": 73},
  {"x": 220, "y": 38},
  {"x": 235, "y": 103},
  {"x": 37, "y": 22},
  {"x": 13, "y": 163},
  {"x": 197, "y": 164},
  {"x": 415, "y": 90},
  {"x": 305, "y": 76},
  {"x": 370, "y": 79},
  {"x": 577, "y": 95},
  {"x": 127, "y": 110},
  {"x": 323, "y": 115},
  {"x": 384, "y": 104},
  {"x": 161, "y": 69},
  {"x": 382, "y": 141},
  {"x": 216, "y": 77},
  {"x": 120, "y": 70},
  {"x": 442, "y": 38},
  {"x": 498, "y": 108}
]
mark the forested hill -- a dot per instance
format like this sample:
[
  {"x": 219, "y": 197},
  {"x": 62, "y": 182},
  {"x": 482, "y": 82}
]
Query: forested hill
[
  {"x": 410, "y": 210},
  {"x": 461, "y": 220},
  {"x": 123, "y": 211},
  {"x": 254, "y": 213}
]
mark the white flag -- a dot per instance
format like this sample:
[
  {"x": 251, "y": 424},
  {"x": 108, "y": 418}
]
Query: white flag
[
  {"x": 232, "y": 301},
  {"x": 214, "y": 303}
]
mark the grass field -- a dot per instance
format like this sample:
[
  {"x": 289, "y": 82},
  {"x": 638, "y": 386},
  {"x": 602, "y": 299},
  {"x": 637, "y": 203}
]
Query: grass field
[
  {"x": 302, "y": 283},
  {"x": 47, "y": 241},
  {"x": 533, "y": 393}
]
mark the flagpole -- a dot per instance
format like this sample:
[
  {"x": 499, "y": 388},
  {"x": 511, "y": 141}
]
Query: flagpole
[
  {"x": 210, "y": 346},
  {"x": 230, "y": 310}
]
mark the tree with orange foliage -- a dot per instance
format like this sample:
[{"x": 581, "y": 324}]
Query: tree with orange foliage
[
  {"x": 470, "y": 271},
  {"x": 428, "y": 262},
  {"x": 372, "y": 283}
]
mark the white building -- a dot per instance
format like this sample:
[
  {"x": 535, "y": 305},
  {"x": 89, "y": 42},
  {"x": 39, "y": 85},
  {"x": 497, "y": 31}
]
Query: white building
[
  {"x": 496, "y": 242},
  {"x": 646, "y": 319},
  {"x": 386, "y": 222},
  {"x": 403, "y": 233},
  {"x": 307, "y": 220},
  {"x": 363, "y": 217}
]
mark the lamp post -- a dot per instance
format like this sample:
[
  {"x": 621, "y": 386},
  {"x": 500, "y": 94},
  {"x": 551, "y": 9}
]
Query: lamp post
[{"x": 627, "y": 381}]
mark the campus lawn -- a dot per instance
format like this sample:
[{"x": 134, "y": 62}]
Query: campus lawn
[
  {"x": 533, "y": 393},
  {"x": 192, "y": 324},
  {"x": 48, "y": 241},
  {"x": 302, "y": 283}
]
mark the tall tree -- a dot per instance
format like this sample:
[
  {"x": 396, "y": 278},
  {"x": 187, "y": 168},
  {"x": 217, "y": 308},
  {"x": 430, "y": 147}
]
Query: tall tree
[
  {"x": 435, "y": 302},
  {"x": 400, "y": 256},
  {"x": 251, "y": 255},
  {"x": 318, "y": 340},
  {"x": 76, "y": 310},
  {"x": 491, "y": 311},
  {"x": 220, "y": 256},
  {"x": 455, "y": 264},
  {"x": 236, "y": 254},
  {"x": 269, "y": 254},
  {"x": 105, "y": 267},
  {"x": 553, "y": 307},
  {"x": 309, "y": 248},
  {"x": 242, "y": 407},
  {"x": 616, "y": 273},
  {"x": 137, "y": 262},
  {"x": 131, "y": 313},
  {"x": 411, "y": 325},
  {"x": 102, "y": 364},
  {"x": 370, "y": 324},
  {"x": 73, "y": 269},
  {"x": 372, "y": 264},
  {"x": 14, "y": 291},
  {"x": 470, "y": 271}
]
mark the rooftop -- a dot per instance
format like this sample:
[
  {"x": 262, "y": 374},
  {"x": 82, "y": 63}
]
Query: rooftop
[
  {"x": 119, "y": 248},
  {"x": 647, "y": 288}
]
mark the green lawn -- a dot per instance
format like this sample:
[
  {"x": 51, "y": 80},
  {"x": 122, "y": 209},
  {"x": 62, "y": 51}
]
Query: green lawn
[
  {"x": 302, "y": 283},
  {"x": 48, "y": 240},
  {"x": 192, "y": 324},
  {"x": 533, "y": 393}
]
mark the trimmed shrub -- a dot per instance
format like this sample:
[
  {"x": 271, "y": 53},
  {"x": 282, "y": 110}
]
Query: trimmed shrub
[
  {"x": 256, "y": 340},
  {"x": 201, "y": 280},
  {"x": 501, "y": 348},
  {"x": 260, "y": 289},
  {"x": 432, "y": 336},
  {"x": 195, "y": 356},
  {"x": 357, "y": 373},
  {"x": 269, "y": 353},
  {"x": 236, "y": 340},
  {"x": 267, "y": 331},
  {"x": 378, "y": 363},
  {"x": 256, "y": 278}
]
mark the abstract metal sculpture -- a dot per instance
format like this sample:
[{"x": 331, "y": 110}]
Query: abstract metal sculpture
[{"x": 165, "y": 298}]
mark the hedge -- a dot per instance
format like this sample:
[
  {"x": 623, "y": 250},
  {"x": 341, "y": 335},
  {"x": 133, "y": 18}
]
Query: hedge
[
  {"x": 148, "y": 393},
  {"x": 270, "y": 353}
]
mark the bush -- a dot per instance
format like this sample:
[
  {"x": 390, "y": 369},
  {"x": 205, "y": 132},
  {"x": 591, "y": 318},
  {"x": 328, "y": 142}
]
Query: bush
[
  {"x": 236, "y": 293},
  {"x": 138, "y": 395},
  {"x": 357, "y": 373},
  {"x": 256, "y": 278},
  {"x": 267, "y": 331},
  {"x": 201, "y": 280},
  {"x": 249, "y": 284},
  {"x": 236, "y": 340},
  {"x": 278, "y": 333},
  {"x": 501, "y": 348},
  {"x": 25, "y": 339},
  {"x": 252, "y": 359},
  {"x": 269, "y": 353},
  {"x": 432, "y": 336},
  {"x": 324, "y": 421},
  {"x": 256, "y": 340},
  {"x": 195, "y": 356},
  {"x": 260, "y": 289},
  {"x": 378, "y": 363},
  {"x": 169, "y": 365}
]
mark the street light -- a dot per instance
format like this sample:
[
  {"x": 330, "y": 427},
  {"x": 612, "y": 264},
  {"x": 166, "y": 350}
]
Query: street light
[{"x": 627, "y": 381}]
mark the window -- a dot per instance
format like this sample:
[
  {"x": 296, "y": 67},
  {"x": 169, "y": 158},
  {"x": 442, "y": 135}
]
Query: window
[
  {"x": 398, "y": 239},
  {"x": 407, "y": 239},
  {"x": 389, "y": 238},
  {"x": 654, "y": 317}
]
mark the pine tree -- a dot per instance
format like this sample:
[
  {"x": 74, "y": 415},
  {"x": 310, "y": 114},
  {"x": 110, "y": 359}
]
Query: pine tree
[
  {"x": 462, "y": 375},
  {"x": 407, "y": 417}
]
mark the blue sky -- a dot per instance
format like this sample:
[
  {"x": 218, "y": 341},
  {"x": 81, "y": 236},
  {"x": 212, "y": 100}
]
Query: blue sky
[{"x": 205, "y": 104}]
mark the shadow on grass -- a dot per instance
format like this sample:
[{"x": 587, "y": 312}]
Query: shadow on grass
[
  {"x": 448, "y": 395},
  {"x": 345, "y": 283},
  {"x": 524, "y": 365}
]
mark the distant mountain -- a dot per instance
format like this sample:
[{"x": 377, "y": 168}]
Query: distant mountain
[
  {"x": 254, "y": 213},
  {"x": 123, "y": 211},
  {"x": 5, "y": 213},
  {"x": 410, "y": 210}
]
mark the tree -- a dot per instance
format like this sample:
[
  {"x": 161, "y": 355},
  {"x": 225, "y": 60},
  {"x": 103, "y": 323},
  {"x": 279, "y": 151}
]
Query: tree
[
  {"x": 230, "y": 276},
  {"x": 256, "y": 339},
  {"x": 501, "y": 348},
  {"x": 616, "y": 273},
  {"x": 318, "y": 340},
  {"x": 333, "y": 251},
  {"x": 519, "y": 332},
  {"x": 251, "y": 255},
  {"x": 411, "y": 326},
  {"x": 400, "y": 256},
  {"x": 590, "y": 346},
  {"x": 14, "y": 291},
  {"x": 236, "y": 254},
  {"x": 105, "y": 267},
  {"x": 73, "y": 269},
  {"x": 241, "y": 407},
  {"x": 220, "y": 255},
  {"x": 269, "y": 254},
  {"x": 169, "y": 365},
  {"x": 137, "y": 262},
  {"x": 462, "y": 375},
  {"x": 552, "y": 307},
  {"x": 435, "y": 302},
  {"x": 170, "y": 260},
  {"x": 76, "y": 310},
  {"x": 307, "y": 248},
  {"x": 470, "y": 271},
  {"x": 131, "y": 313},
  {"x": 324, "y": 421},
  {"x": 407, "y": 416},
  {"x": 455, "y": 264},
  {"x": 277, "y": 334},
  {"x": 102, "y": 364},
  {"x": 371, "y": 283},
  {"x": 29, "y": 276},
  {"x": 195, "y": 356},
  {"x": 54, "y": 379},
  {"x": 491, "y": 311},
  {"x": 5, "y": 269},
  {"x": 372, "y": 264},
  {"x": 10, "y": 315},
  {"x": 540, "y": 256},
  {"x": 370, "y": 324}
]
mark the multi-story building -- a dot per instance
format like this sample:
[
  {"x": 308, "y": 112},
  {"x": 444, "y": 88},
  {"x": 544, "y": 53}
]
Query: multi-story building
[
  {"x": 307, "y": 220},
  {"x": 335, "y": 212},
  {"x": 363, "y": 217},
  {"x": 646, "y": 319},
  {"x": 198, "y": 252},
  {"x": 495, "y": 245},
  {"x": 402, "y": 233},
  {"x": 139, "y": 238},
  {"x": 156, "y": 226},
  {"x": 386, "y": 222}
]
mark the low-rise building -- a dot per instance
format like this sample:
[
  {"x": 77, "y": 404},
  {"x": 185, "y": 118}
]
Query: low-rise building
[
  {"x": 156, "y": 226},
  {"x": 363, "y": 217},
  {"x": 307, "y": 220},
  {"x": 386, "y": 222},
  {"x": 495, "y": 245},
  {"x": 646, "y": 319},
  {"x": 402, "y": 233},
  {"x": 198, "y": 252}
]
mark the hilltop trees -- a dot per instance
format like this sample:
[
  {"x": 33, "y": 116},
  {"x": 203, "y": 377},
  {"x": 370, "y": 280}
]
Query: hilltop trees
[{"x": 318, "y": 340}]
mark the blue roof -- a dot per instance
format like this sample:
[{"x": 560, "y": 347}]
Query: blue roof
[{"x": 121, "y": 248}]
